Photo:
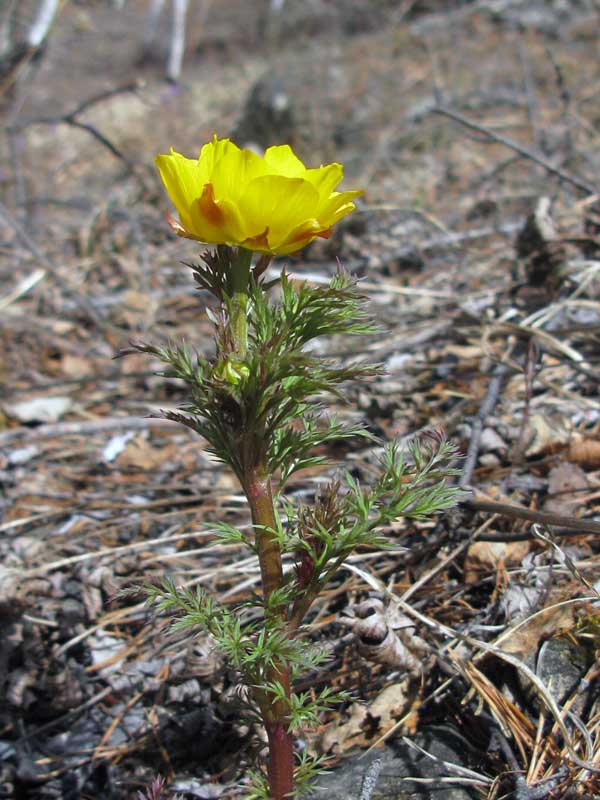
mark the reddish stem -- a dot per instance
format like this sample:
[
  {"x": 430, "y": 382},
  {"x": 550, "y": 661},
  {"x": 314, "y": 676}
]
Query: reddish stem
[
  {"x": 281, "y": 761},
  {"x": 260, "y": 498},
  {"x": 275, "y": 714}
]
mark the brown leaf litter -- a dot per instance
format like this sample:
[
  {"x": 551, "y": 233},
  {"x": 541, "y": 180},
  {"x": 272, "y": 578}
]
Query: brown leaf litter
[{"x": 478, "y": 247}]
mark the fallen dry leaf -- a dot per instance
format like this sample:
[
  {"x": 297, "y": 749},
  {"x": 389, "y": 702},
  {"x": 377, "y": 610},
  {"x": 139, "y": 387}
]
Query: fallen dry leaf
[
  {"x": 76, "y": 366},
  {"x": 585, "y": 451},
  {"x": 141, "y": 454},
  {"x": 483, "y": 558},
  {"x": 566, "y": 484},
  {"x": 528, "y": 634},
  {"x": 386, "y": 636},
  {"x": 546, "y": 434},
  {"x": 362, "y": 723}
]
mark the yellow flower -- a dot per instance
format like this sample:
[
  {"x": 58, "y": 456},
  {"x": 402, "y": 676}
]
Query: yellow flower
[{"x": 272, "y": 204}]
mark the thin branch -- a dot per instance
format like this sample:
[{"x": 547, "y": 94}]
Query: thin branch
[
  {"x": 578, "y": 183},
  {"x": 100, "y": 137},
  {"x": 71, "y": 118},
  {"x": 487, "y": 406},
  {"x": 42, "y": 23},
  {"x": 570, "y": 526}
]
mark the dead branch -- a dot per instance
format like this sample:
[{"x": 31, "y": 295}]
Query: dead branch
[
  {"x": 71, "y": 118},
  {"x": 569, "y": 526},
  {"x": 578, "y": 183},
  {"x": 491, "y": 398},
  {"x": 41, "y": 25}
]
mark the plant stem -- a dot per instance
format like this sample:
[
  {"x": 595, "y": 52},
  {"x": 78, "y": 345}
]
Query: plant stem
[
  {"x": 260, "y": 498},
  {"x": 239, "y": 301},
  {"x": 257, "y": 485},
  {"x": 275, "y": 714}
]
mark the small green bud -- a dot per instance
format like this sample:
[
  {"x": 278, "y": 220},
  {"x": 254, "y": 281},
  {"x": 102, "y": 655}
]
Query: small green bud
[{"x": 232, "y": 371}]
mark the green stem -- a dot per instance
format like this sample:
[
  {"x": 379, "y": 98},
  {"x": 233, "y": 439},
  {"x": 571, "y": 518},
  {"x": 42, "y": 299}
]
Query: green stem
[
  {"x": 239, "y": 301},
  {"x": 257, "y": 485},
  {"x": 275, "y": 714}
]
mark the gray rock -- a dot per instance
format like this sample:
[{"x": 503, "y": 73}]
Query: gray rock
[
  {"x": 561, "y": 665},
  {"x": 399, "y": 762},
  {"x": 188, "y": 691},
  {"x": 300, "y": 103}
]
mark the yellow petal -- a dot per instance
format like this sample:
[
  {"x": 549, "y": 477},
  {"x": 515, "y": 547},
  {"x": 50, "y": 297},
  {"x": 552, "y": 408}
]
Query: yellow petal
[
  {"x": 279, "y": 203},
  {"x": 326, "y": 178},
  {"x": 282, "y": 161},
  {"x": 233, "y": 171},
  {"x": 207, "y": 208},
  {"x": 211, "y": 154},
  {"x": 215, "y": 221},
  {"x": 182, "y": 181},
  {"x": 302, "y": 235},
  {"x": 336, "y": 206},
  {"x": 232, "y": 226},
  {"x": 258, "y": 244}
]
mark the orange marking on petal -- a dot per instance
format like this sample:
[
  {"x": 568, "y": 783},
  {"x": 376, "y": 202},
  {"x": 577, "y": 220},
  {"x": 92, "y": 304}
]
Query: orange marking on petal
[
  {"x": 307, "y": 233},
  {"x": 261, "y": 241},
  {"x": 208, "y": 207},
  {"x": 176, "y": 226}
]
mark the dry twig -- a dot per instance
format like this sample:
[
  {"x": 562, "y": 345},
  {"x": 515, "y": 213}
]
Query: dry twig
[{"x": 573, "y": 180}]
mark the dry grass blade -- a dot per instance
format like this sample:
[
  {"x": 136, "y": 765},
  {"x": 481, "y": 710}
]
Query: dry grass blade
[
  {"x": 511, "y": 720},
  {"x": 446, "y": 631}
]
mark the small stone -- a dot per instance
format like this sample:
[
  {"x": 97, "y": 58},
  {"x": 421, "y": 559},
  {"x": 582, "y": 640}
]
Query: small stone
[
  {"x": 23, "y": 454},
  {"x": 397, "y": 362},
  {"x": 39, "y": 409},
  {"x": 72, "y": 611},
  {"x": 561, "y": 665},
  {"x": 489, "y": 460},
  {"x": 491, "y": 441},
  {"x": 27, "y": 548},
  {"x": 189, "y": 690}
]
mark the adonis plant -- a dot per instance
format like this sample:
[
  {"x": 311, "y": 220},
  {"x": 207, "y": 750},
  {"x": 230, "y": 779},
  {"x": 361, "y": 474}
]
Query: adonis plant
[{"x": 259, "y": 404}]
